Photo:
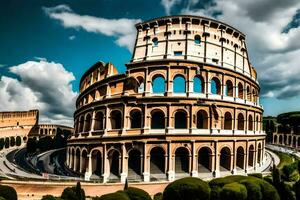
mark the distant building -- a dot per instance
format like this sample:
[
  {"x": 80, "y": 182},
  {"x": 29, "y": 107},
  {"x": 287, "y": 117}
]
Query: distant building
[
  {"x": 188, "y": 105},
  {"x": 25, "y": 124}
]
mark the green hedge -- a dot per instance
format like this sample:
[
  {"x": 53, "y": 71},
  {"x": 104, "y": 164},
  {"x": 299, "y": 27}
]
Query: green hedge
[
  {"x": 120, "y": 195},
  {"x": 234, "y": 190},
  {"x": 187, "y": 189},
  {"x": 8, "y": 192},
  {"x": 70, "y": 194},
  {"x": 50, "y": 197},
  {"x": 158, "y": 196},
  {"x": 267, "y": 190},
  {"x": 137, "y": 194}
]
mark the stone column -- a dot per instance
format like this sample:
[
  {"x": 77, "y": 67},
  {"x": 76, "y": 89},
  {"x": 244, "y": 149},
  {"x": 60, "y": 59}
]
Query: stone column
[
  {"x": 146, "y": 162},
  {"x": 171, "y": 172},
  {"x": 247, "y": 156},
  {"x": 194, "y": 160},
  {"x": 93, "y": 121},
  {"x": 234, "y": 157},
  {"x": 216, "y": 173},
  {"x": 124, "y": 166},
  {"x": 106, "y": 169}
]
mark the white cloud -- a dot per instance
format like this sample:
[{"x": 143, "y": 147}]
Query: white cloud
[
  {"x": 273, "y": 53},
  {"x": 2, "y": 65},
  {"x": 40, "y": 85},
  {"x": 122, "y": 29},
  {"x": 168, "y": 4},
  {"x": 72, "y": 37}
]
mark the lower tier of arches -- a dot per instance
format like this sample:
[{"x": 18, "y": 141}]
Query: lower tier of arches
[{"x": 163, "y": 160}]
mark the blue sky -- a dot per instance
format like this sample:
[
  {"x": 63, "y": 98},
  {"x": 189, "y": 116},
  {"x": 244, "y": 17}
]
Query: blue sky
[{"x": 47, "y": 45}]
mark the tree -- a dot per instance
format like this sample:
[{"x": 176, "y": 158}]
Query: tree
[{"x": 8, "y": 192}]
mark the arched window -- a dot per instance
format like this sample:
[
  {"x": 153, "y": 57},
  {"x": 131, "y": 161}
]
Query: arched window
[
  {"x": 228, "y": 121},
  {"x": 197, "y": 39},
  {"x": 155, "y": 42},
  {"x": 141, "y": 85},
  {"x": 99, "y": 121},
  {"x": 158, "y": 85},
  {"x": 202, "y": 119},
  {"x": 254, "y": 95},
  {"x": 225, "y": 159},
  {"x": 180, "y": 120},
  {"x": 250, "y": 123},
  {"x": 116, "y": 119},
  {"x": 87, "y": 123},
  {"x": 215, "y": 86},
  {"x": 198, "y": 85},
  {"x": 136, "y": 119},
  {"x": 179, "y": 84},
  {"x": 248, "y": 94},
  {"x": 81, "y": 121},
  {"x": 241, "y": 122},
  {"x": 229, "y": 88},
  {"x": 257, "y": 123},
  {"x": 157, "y": 120},
  {"x": 240, "y": 91}
]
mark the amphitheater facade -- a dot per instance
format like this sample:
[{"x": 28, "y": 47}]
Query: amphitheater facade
[{"x": 187, "y": 105}]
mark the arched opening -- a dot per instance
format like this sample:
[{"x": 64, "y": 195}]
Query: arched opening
[
  {"x": 225, "y": 159},
  {"x": 179, "y": 84},
  {"x": 240, "y": 91},
  {"x": 114, "y": 164},
  {"x": 198, "y": 84},
  {"x": 284, "y": 139},
  {"x": 73, "y": 158},
  {"x": 228, "y": 121},
  {"x": 250, "y": 123},
  {"x": 155, "y": 42},
  {"x": 229, "y": 88},
  {"x": 240, "y": 158},
  {"x": 248, "y": 93},
  {"x": 134, "y": 164},
  {"x": 99, "y": 117},
  {"x": 215, "y": 86},
  {"x": 298, "y": 141},
  {"x": 202, "y": 119},
  {"x": 136, "y": 119},
  {"x": 241, "y": 122},
  {"x": 294, "y": 141},
  {"x": 157, "y": 120},
  {"x": 81, "y": 121},
  {"x": 251, "y": 156},
  {"x": 275, "y": 139},
  {"x": 259, "y": 153},
  {"x": 96, "y": 163},
  {"x": 197, "y": 39},
  {"x": 257, "y": 123},
  {"x": 254, "y": 95},
  {"x": 157, "y": 162},
  {"x": 77, "y": 166},
  {"x": 181, "y": 160},
  {"x": 290, "y": 140},
  {"x": 180, "y": 120},
  {"x": 158, "y": 85},
  {"x": 84, "y": 161},
  {"x": 204, "y": 160},
  {"x": 87, "y": 123},
  {"x": 280, "y": 139},
  {"x": 116, "y": 119},
  {"x": 140, "y": 84}
]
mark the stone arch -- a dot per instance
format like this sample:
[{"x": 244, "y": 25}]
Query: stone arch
[
  {"x": 294, "y": 141},
  {"x": 240, "y": 90},
  {"x": 157, "y": 161},
  {"x": 114, "y": 159},
  {"x": 204, "y": 159},
  {"x": 157, "y": 119},
  {"x": 81, "y": 122},
  {"x": 250, "y": 123},
  {"x": 134, "y": 163},
  {"x": 225, "y": 159},
  {"x": 280, "y": 139},
  {"x": 198, "y": 84},
  {"x": 84, "y": 160},
  {"x": 96, "y": 157},
  {"x": 182, "y": 160},
  {"x": 275, "y": 139},
  {"x": 241, "y": 121},
  {"x": 116, "y": 119},
  {"x": 248, "y": 93},
  {"x": 228, "y": 121},
  {"x": 251, "y": 155},
  {"x": 158, "y": 84},
  {"x": 141, "y": 84},
  {"x": 202, "y": 119},
  {"x": 99, "y": 121},
  {"x": 180, "y": 119},
  {"x": 229, "y": 88},
  {"x": 259, "y": 153},
  {"x": 77, "y": 160},
  {"x": 87, "y": 122},
  {"x": 135, "y": 118},
  {"x": 179, "y": 84},
  {"x": 240, "y": 157},
  {"x": 215, "y": 86}
]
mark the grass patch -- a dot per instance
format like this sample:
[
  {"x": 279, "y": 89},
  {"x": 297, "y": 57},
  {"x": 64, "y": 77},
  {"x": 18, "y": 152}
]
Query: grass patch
[{"x": 285, "y": 159}]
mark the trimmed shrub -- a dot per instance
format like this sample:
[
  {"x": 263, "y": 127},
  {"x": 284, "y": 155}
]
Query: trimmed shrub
[
  {"x": 234, "y": 191},
  {"x": 257, "y": 175},
  {"x": 158, "y": 196},
  {"x": 297, "y": 189},
  {"x": 8, "y": 192},
  {"x": 50, "y": 197},
  {"x": 253, "y": 190},
  {"x": 276, "y": 176},
  {"x": 137, "y": 194},
  {"x": 120, "y": 195},
  {"x": 2, "y": 198},
  {"x": 70, "y": 193},
  {"x": 187, "y": 189},
  {"x": 290, "y": 172}
]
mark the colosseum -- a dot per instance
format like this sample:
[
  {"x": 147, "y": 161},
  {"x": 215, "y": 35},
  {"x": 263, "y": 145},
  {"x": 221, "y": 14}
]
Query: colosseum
[{"x": 187, "y": 105}]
